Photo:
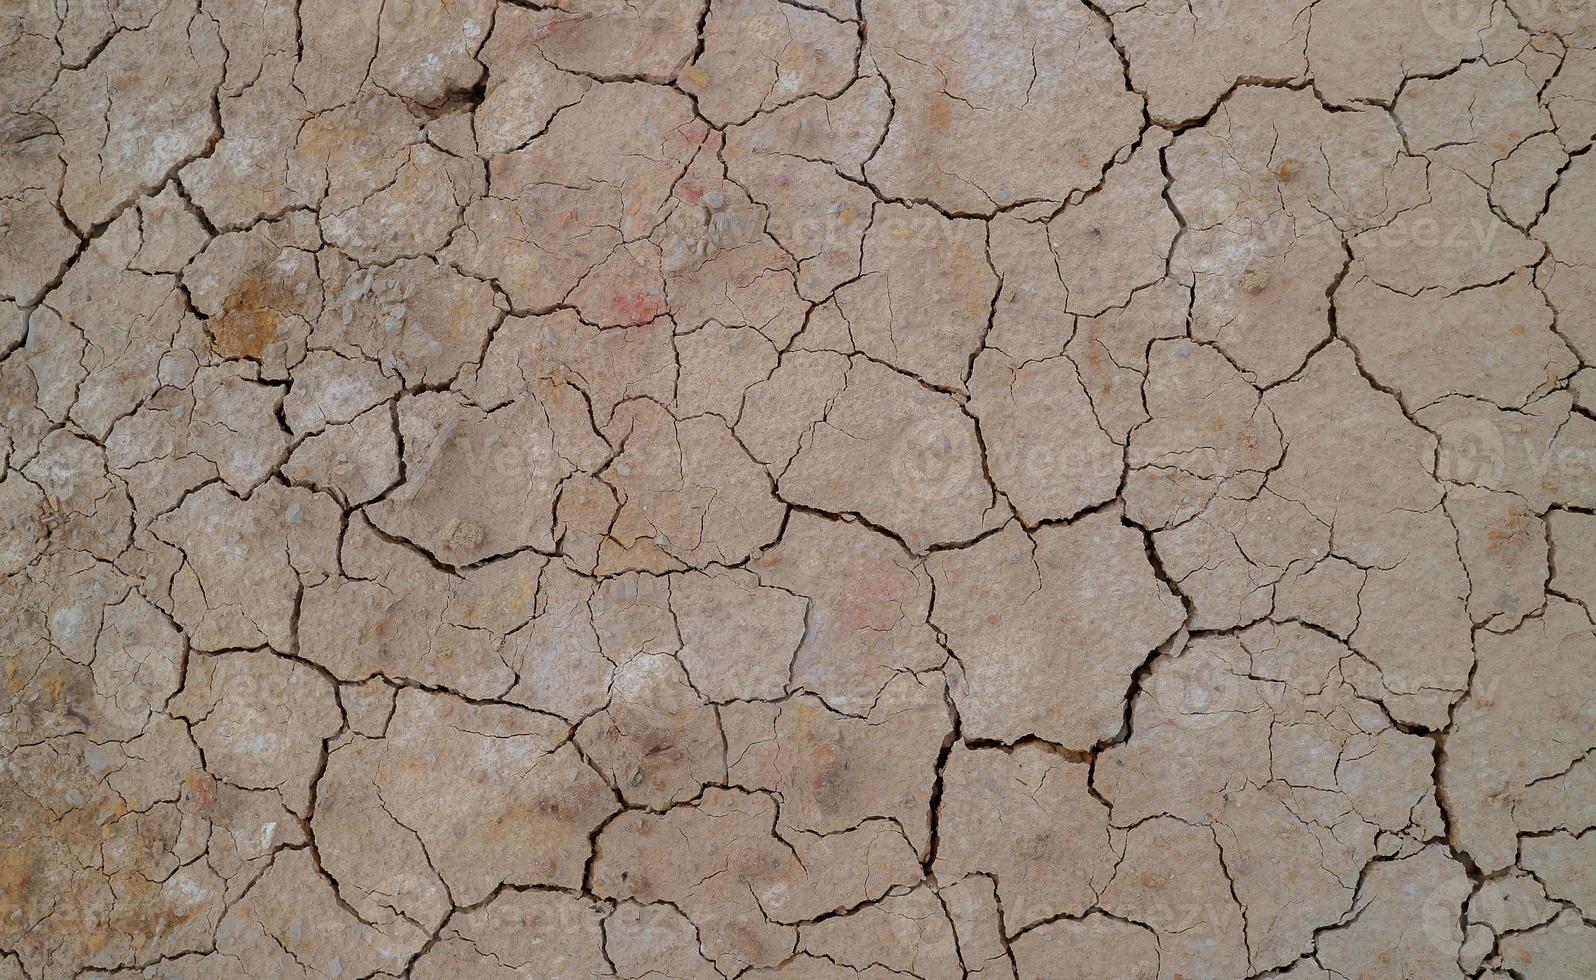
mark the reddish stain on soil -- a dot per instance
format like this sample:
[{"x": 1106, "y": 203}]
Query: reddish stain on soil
[{"x": 248, "y": 323}]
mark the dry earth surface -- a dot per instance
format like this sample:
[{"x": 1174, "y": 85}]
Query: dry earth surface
[{"x": 809, "y": 489}]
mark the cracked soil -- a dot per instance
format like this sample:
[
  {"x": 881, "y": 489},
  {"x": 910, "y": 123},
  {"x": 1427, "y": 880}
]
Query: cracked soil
[{"x": 805, "y": 489}]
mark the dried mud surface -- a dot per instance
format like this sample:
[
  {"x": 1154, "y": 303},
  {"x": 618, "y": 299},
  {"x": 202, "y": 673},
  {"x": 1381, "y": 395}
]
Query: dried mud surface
[{"x": 809, "y": 489}]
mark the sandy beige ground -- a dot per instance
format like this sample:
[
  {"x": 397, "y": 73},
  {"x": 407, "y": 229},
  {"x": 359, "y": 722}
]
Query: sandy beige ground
[{"x": 809, "y": 489}]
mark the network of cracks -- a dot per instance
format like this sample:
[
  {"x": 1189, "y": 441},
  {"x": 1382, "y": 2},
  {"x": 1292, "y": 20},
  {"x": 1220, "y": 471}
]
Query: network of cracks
[{"x": 809, "y": 489}]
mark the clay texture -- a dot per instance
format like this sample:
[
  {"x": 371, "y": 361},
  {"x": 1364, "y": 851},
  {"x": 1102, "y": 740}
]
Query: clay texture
[{"x": 801, "y": 489}]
